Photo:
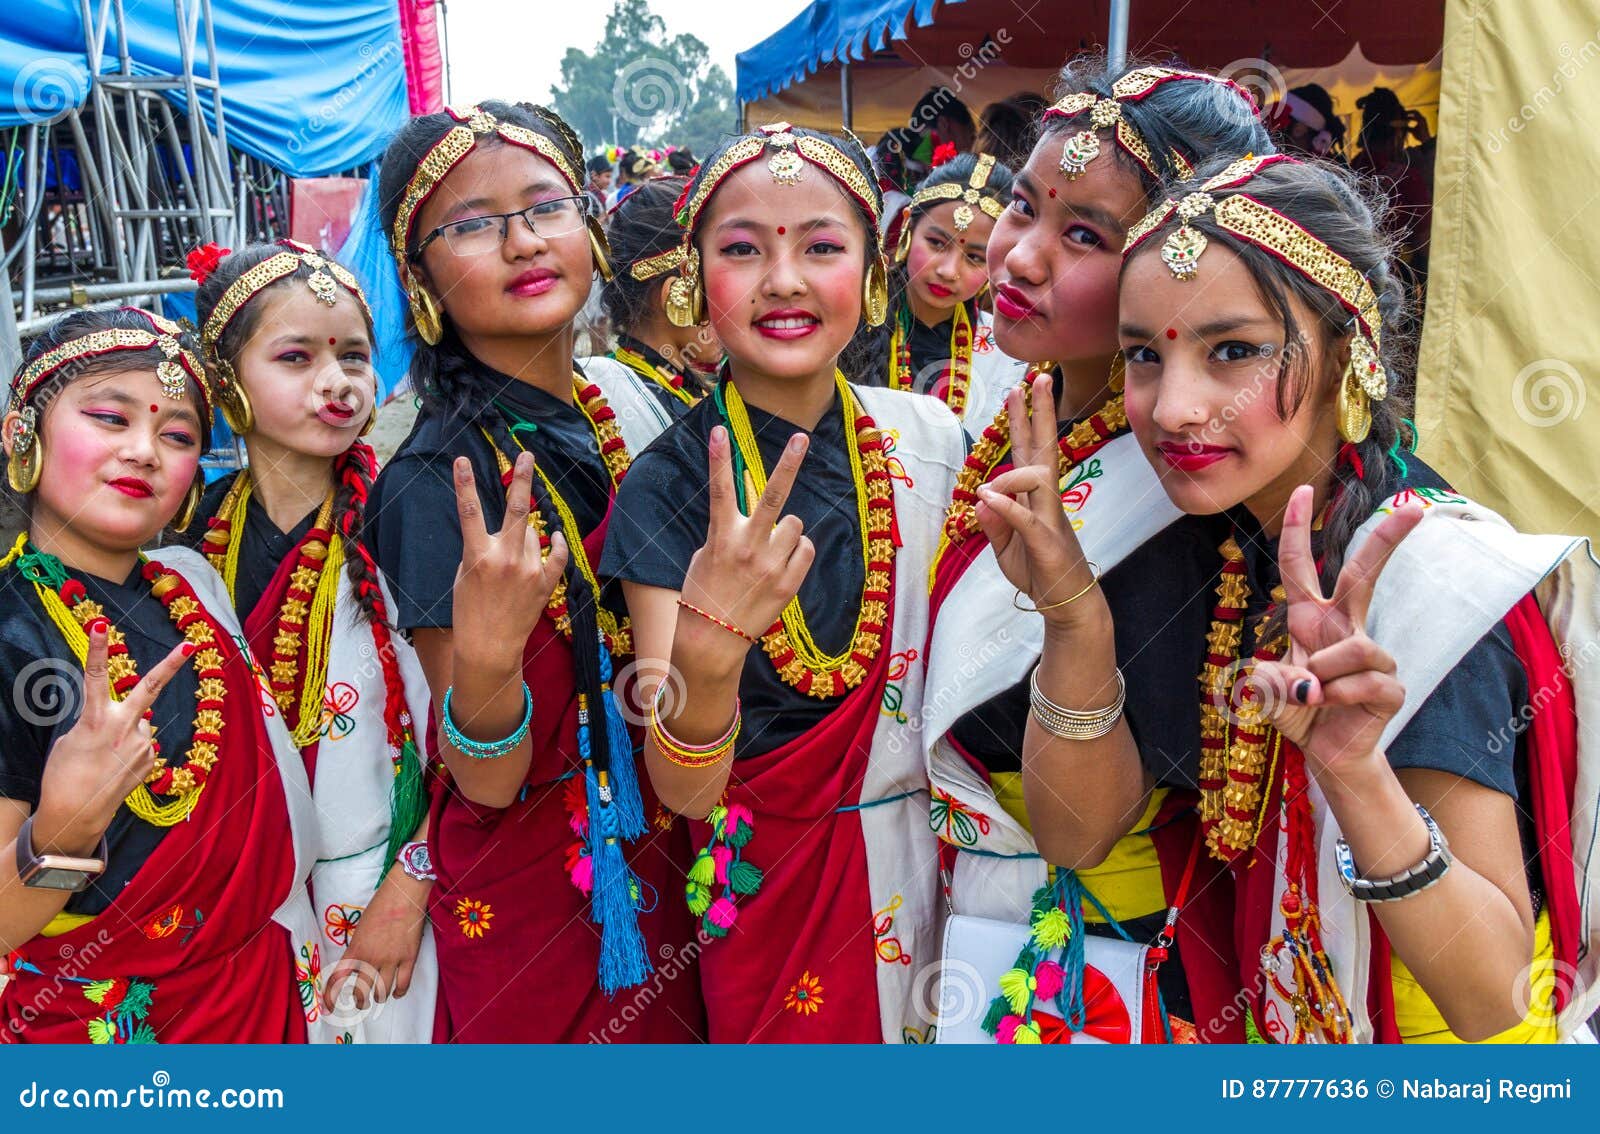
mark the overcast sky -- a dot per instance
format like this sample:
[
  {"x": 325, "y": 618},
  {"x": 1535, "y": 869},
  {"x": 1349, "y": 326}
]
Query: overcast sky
[{"x": 513, "y": 51}]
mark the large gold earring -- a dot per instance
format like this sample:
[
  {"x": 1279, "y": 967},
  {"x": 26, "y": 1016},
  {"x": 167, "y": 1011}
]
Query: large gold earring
[
  {"x": 601, "y": 247},
  {"x": 1353, "y": 410},
  {"x": 191, "y": 504},
  {"x": 233, "y": 401},
  {"x": 903, "y": 249},
  {"x": 875, "y": 294},
  {"x": 425, "y": 313},
  {"x": 685, "y": 297},
  {"x": 27, "y": 453}
]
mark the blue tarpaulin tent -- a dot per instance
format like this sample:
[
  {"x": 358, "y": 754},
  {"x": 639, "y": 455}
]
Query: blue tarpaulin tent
[{"x": 311, "y": 89}]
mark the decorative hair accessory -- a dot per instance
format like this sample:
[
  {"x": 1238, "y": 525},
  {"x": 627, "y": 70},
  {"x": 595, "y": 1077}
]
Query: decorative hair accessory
[
  {"x": 653, "y": 266},
  {"x": 942, "y": 153},
  {"x": 177, "y": 366},
  {"x": 1244, "y": 217},
  {"x": 1106, "y": 114},
  {"x": 970, "y": 196},
  {"x": 24, "y": 464},
  {"x": 204, "y": 260}
]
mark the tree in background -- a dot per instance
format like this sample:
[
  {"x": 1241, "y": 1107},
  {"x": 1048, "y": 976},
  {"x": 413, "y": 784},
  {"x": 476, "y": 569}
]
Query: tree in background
[{"x": 639, "y": 86}]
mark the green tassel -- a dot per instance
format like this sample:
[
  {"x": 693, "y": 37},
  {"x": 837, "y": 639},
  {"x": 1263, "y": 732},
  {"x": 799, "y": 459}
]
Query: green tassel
[
  {"x": 740, "y": 835},
  {"x": 744, "y": 877},
  {"x": 998, "y": 1010},
  {"x": 1251, "y": 1034},
  {"x": 408, "y": 801},
  {"x": 704, "y": 870},
  {"x": 42, "y": 567},
  {"x": 698, "y": 897},
  {"x": 711, "y": 928}
]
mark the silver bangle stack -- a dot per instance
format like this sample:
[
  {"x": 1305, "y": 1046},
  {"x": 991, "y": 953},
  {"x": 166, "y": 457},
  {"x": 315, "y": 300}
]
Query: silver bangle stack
[{"x": 1074, "y": 724}]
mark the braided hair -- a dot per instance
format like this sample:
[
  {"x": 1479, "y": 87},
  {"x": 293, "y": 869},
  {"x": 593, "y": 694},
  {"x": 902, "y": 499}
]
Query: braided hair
[
  {"x": 866, "y": 358},
  {"x": 1346, "y": 214},
  {"x": 640, "y": 227}
]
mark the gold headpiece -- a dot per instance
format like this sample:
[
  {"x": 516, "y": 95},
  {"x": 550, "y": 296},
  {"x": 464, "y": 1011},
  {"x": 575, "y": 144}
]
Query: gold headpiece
[
  {"x": 324, "y": 273},
  {"x": 653, "y": 266},
  {"x": 1106, "y": 114},
  {"x": 178, "y": 363},
  {"x": 971, "y": 195}
]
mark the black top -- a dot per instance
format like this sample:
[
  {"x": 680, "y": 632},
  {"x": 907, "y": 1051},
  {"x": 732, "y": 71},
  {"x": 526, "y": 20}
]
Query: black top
[
  {"x": 660, "y": 521},
  {"x": 46, "y": 680},
  {"x": 671, "y": 403},
  {"x": 1161, "y": 599},
  {"x": 262, "y": 549},
  {"x": 412, "y": 526}
]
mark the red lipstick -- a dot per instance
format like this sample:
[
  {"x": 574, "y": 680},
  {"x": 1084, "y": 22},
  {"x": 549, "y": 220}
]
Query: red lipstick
[
  {"x": 787, "y": 324},
  {"x": 1012, "y": 304},
  {"x": 134, "y": 487},
  {"x": 1190, "y": 457},
  {"x": 535, "y": 281}
]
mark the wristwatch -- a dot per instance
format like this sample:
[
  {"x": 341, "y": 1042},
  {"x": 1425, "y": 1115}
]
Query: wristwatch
[
  {"x": 55, "y": 871},
  {"x": 415, "y": 860},
  {"x": 1407, "y": 882}
]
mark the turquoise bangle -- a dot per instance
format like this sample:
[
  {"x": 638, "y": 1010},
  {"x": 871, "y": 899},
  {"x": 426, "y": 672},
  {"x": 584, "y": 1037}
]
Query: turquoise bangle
[{"x": 491, "y": 750}]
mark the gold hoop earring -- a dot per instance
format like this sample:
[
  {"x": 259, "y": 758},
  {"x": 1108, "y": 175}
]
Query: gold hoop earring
[
  {"x": 1352, "y": 408},
  {"x": 875, "y": 294},
  {"x": 601, "y": 247},
  {"x": 191, "y": 504},
  {"x": 24, "y": 466},
  {"x": 425, "y": 313},
  {"x": 233, "y": 401},
  {"x": 902, "y": 250}
]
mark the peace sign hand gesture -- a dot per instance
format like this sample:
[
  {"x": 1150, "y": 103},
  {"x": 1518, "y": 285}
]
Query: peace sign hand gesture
[
  {"x": 504, "y": 581},
  {"x": 1020, "y": 511},
  {"x": 105, "y": 755},
  {"x": 749, "y": 567},
  {"x": 1336, "y": 690}
]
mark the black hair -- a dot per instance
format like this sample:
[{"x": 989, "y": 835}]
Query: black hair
[
  {"x": 1346, "y": 214},
  {"x": 681, "y": 162},
  {"x": 1007, "y": 130},
  {"x": 641, "y": 226},
  {"x": 352, "y": 473},
  {"x": 598, "y": 164},
  {"x": 1379, "y": 108},
  {"x": 454, "y": 385},
  {"x": 891, "y": 153},
  {"x": 1193, "y": 119},
  {"x": 89, "y": 321},
  {"x": 866, "y": 358},
  {"x": 937, "y": 103}
]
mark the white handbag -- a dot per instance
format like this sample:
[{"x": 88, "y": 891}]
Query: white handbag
[{"x": 978, "y": 950}]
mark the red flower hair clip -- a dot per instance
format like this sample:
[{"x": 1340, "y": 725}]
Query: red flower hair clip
[
  {"x": 943, "y": 153},
  {"x": 204, "y": 260}
]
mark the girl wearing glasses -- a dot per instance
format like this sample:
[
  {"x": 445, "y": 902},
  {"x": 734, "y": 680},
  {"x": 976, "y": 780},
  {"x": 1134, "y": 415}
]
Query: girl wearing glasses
[{"x": 551, "y": 871}]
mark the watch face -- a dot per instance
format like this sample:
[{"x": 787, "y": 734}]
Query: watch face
[{"x": 50, "y": 878}]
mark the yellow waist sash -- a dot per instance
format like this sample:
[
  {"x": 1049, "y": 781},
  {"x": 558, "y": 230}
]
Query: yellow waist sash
[{"x": 1420, "y": 1022}]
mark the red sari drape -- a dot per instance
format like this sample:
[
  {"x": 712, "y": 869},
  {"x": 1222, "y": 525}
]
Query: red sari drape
[{"x": 188, "y": 949}]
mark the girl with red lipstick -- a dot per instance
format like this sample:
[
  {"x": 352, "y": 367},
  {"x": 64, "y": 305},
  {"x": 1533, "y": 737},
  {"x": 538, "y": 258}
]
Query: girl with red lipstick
[
  {"x": 290, "y": 330},
  {"x": 552, "y": 879},
  {"x": 1104, "y": 149},
  {"x": 937, "y": 341},
  {"x": 155, "y": 826},
  {"x": 773, "y": 547},
  {"x": 675, "y": 363},
  {"x": 1368, "y": 824}
]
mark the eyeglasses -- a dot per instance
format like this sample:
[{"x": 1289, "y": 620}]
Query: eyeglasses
[{"x": 474, "y": 236}]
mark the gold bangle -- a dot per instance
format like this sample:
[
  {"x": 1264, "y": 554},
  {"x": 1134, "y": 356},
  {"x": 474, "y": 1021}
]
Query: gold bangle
[
  {"x": 692, "y": 755},
  {"x": 1093, "y": 583}
]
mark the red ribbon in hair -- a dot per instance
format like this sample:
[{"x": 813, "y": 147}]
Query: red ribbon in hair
[
  {"x": 204, "y": 260},
  {"x": 943, "y": 153}
]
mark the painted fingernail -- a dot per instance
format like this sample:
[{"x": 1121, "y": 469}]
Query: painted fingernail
[
  {"x": 1302, "y": 690},
  {"x": 189, "y": 648},
  {"x": 97, "y": 626}
]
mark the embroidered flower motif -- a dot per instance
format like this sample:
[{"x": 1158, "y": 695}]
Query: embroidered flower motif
[
  {"x": 805, "y": 995},
  {"x": 165, "y": 925},
  {"x": 339, "y": 921},
  {"x": 474, "y": 916},
  {"x": 308, "y": 974}
]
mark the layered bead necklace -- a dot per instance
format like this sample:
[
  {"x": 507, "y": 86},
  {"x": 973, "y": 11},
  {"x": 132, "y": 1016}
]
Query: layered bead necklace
[
  {"x": 669, "y": 379},
  {"x": 958, "y": 370},
  {"x": 799, "y": 661},
  {"x": 69, "y": 607}
]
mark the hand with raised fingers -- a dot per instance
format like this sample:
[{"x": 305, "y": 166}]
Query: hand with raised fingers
[
  {"x": 1336, "y": 689},
  {"x": 107, "y": 753},
  {"x": 504, "y": 581},
  {"x": 750, "y": 566},
  {"x": 1020, "y": 511}
]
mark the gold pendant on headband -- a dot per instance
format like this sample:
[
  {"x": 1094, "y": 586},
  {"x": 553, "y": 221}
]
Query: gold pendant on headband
[
  {"x": 1181, "y": 251},
  {"x": 1367, "y": 368},
  {"x": 482, "y": 122},
  {"x": 174, "y": 382},
  {"x": 963, "y": 216},
  {"x": 786, "y": 165},
  {"x": 1078, "y": 151},
  {"x": 320, "y": 282}
]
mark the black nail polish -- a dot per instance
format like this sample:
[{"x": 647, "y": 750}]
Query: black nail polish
[{"x": 1302, "y": 690}]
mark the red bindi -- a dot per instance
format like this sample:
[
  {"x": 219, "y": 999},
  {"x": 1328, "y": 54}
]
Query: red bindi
[
  {"x": 155, "y": 409},
  {"x": 1172, "y": 332},
  {"x": 781, "y": 230},
  {"x": 1052, "y": 193},
  {"x": 332, "y": 340}
]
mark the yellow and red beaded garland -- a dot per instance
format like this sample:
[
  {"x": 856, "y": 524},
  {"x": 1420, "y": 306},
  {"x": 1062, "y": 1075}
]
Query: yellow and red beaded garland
[
  {"x": 616, "y": 629},
  {"x": 795, "y": 655},
  {"x": 959, "y": 371},
  {"x": 665, "y": 377},
  {"x": 313, "y": 586}
]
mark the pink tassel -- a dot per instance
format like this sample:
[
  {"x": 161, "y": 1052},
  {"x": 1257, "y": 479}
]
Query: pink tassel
[
  {"x": 739, "y": 813},
  {"x": 722, "y": 856},
  {"x": 1049, "y": 978},
  {"x": 583, "y": 874},
  {"x": 723, "y": 913},
  {"x": 1007, "y": 1031}
]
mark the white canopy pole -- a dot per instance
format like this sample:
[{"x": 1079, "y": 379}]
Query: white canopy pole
[{"x": 1117, "y": 35}]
